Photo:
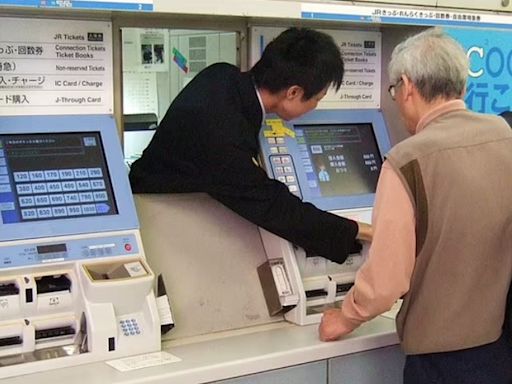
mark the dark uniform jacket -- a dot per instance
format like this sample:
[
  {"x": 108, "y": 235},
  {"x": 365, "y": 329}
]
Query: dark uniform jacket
[{"x": 208, "y": 142}]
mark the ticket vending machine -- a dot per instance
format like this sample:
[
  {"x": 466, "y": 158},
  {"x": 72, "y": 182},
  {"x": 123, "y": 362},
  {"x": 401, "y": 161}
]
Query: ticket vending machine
[
  {"x": 74, "y": 283},
  {"x": 332, "y": 159}
]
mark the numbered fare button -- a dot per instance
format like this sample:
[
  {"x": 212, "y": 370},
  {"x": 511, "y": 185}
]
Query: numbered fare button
[
  {"x": 24, "y": 189},
  {"x": 66, "y": 174},
  {"x": 86, "y": 197},
  {"x": 36, "y": 175},
  {"x": 51, "y": 174},
  {"x": 39, "y": 188},
  {"x": 57, "y": 199},
  {"x": 54, "y": 187},
  {"x": 81, "y": 173},
  {"x": 69, "y": 186},
  {"x": 100, "y": 196},
  {"x": 74, "y": 210},
  {"x": 95, "y": 172},
  {"x": 26, "y": 201},
  {"x": 89, "y": 209},
  {"x": 83, "y": 185},
  {"x": 98, "y": 184},
  {"x": 71, "y": 198},
  {"x": 59, "y": 211},
  {"x": 42, "y": 200},
  {"x": 20, "y": 177},
  {"x": 28, "y": 214},
  {"x": 44, "y": 213}
]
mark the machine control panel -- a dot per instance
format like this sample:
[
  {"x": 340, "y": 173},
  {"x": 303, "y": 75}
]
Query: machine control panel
[{"x": 42, "y": 252}]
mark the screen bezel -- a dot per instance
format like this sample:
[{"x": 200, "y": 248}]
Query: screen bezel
[
  {"x": 325, "y": 117},
  {"x": 103, "y": 124}
]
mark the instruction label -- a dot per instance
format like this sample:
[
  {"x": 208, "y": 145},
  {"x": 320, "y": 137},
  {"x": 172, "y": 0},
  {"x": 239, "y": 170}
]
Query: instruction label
[{"x": 55, "y": 67}]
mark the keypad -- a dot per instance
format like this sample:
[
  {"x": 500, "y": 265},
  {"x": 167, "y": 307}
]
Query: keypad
[
  {"x": 284, "y": 170},
  {"x": 130, "y": 327}
]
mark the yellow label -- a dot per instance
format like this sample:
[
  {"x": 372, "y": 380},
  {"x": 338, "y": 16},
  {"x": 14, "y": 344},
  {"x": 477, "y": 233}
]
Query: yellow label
[{"x": 277, "y": 129}]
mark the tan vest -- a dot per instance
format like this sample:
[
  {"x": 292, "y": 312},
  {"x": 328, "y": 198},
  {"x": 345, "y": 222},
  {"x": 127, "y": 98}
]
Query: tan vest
[{"x": 458, "y": 173}]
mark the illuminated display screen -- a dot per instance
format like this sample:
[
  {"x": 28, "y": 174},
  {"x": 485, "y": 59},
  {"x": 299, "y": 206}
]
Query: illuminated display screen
[
  {"x": 53, "y": 176},
  {"x": 344, "y": 158}
]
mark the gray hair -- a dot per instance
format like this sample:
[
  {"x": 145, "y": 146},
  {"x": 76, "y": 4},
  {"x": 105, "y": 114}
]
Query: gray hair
[{"x": 435, "y": 63}]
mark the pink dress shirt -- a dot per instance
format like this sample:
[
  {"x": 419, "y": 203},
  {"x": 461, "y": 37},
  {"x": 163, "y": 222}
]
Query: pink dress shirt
[{"x": 386, "y": 275}]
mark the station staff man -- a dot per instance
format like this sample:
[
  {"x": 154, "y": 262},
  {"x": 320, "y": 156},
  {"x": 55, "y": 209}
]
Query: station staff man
[{"x": 208, "y": 140}]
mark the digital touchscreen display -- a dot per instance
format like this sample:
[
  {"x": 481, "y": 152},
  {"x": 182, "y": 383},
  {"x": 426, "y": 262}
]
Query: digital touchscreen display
[
  {"x": 345, "y": 159},
  {"x": 53, "y": 176}
]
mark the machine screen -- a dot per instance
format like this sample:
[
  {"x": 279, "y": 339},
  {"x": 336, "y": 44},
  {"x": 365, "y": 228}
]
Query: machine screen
[
  {"x": 345, "y": 159},
  {"x": 53, "y": 176}
]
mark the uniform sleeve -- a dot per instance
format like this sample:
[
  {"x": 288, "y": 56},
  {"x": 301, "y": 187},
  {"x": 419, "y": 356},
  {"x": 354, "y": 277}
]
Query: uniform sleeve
[
  {"x": 240, "y": 184},
  {"x": 386, "y": 275}
]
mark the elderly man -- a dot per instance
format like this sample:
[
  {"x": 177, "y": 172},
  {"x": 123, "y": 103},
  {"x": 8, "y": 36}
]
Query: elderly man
[{"x": 442, "y": 226}]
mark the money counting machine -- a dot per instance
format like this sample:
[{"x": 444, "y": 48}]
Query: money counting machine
[
  {"x": 74, "y": 283},
  {"x": 332, "y": 159}
]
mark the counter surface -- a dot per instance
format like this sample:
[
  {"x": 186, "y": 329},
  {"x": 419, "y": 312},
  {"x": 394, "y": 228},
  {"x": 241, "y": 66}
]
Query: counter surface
[{"x": 229, "y": 354}]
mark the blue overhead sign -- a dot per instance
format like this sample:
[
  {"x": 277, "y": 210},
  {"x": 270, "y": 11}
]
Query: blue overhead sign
[
  {"x": 489, "y": 86},
  {"x": 127, "y": 5}
]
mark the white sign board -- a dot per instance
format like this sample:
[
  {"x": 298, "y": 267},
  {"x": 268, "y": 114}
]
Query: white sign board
[
  {"x": 361, "y": 52},
  {"x": 55, "y": 67}
]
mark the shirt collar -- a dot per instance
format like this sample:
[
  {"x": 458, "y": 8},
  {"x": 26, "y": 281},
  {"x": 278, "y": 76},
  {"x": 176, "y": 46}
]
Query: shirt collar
[
  {"x": 263, "y": 112},
  {"x": 449, "y": 106}
]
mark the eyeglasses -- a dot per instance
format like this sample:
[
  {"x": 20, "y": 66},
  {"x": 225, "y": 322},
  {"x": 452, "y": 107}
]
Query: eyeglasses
[{"x": 392, "y": 88}]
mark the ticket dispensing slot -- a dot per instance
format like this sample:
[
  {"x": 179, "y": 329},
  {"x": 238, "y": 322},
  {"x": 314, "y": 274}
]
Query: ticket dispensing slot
[
  {"x": 8, "y": 288},
  {"x": 331, "y": 159},
  {"x": 52, "y": 284},
  {"x": 11, "y": 339},
  {"x": 55, "y": 332}
]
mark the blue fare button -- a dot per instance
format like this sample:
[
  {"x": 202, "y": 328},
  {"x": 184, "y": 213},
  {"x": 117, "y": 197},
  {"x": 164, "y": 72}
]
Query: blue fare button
[
  {"x": 102, "y": 208},
  {"x": 7, "y": 206},
  {"x": 8, "y": 217},
  {"x": 5, "y": 188}
]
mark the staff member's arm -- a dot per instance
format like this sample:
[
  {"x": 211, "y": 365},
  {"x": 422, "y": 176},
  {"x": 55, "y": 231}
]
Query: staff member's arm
[{"x": 244, "y": 187}]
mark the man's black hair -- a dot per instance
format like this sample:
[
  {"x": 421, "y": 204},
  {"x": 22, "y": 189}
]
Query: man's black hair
[{"x": 300, "y": 56}]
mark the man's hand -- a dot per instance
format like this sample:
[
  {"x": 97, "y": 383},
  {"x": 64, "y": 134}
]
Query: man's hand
[
  {"x": 332, "y": 326},
  {"x": 365, "y": 232}
]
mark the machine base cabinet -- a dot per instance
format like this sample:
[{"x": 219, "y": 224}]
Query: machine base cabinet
[
  {"x": 378, "y": 366},
  {"x": 300, "y": 374}
]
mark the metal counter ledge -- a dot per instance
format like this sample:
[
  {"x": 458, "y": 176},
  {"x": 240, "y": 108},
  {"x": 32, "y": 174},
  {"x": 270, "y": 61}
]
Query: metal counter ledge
[{"x": 229, "y": 354}]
